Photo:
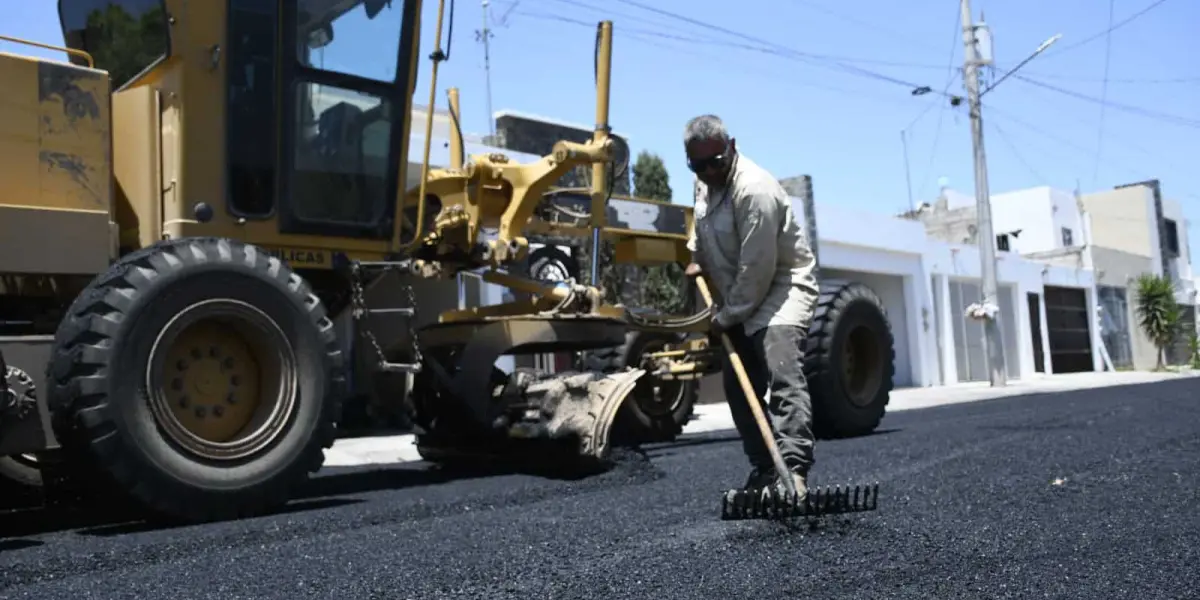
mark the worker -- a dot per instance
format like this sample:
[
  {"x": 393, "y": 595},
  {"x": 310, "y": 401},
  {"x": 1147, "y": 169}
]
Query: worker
[{"x": 759, "y": 266}]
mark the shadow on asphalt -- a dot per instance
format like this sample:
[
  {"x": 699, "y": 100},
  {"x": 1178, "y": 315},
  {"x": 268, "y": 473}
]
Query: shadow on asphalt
[
  {"x": 332, "y": 488},
  {"x": 327, "y": 490},
  {"x": 10, "y": 545},
  {"x": 44, "y": 520}
]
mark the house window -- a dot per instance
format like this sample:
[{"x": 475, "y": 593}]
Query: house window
[
  {"x": 1002, "y": 242},
  {"x": 1172, "y": 241},
  {"x": 1068, "y": 239}
]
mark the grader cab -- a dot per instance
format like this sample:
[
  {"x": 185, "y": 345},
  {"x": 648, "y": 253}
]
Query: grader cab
[{"x": 191, "y": 206}]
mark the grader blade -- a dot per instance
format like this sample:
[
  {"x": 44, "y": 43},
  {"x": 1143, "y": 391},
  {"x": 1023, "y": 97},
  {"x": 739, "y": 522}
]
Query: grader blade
[{"x": 583, "y": 406}]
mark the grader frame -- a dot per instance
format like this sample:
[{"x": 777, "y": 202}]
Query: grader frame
[{"x": 172, "y": 313}]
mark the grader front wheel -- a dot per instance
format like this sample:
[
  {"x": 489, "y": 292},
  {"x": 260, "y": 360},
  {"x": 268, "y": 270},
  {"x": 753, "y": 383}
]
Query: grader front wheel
[
  {"x": 200, "y": 377},
  {"x": 222, "y": 380}
]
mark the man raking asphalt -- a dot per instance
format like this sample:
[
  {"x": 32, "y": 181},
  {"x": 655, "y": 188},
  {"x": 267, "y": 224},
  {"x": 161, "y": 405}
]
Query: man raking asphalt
[{"x": 749, "y": 246}]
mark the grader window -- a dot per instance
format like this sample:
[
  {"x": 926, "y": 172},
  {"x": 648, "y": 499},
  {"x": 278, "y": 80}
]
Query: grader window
[
  {"x": 342, "y": 146},
  {"x": 253, "y": 163},
  {"x": 352, "y": 37},
  {"x": 124, "y": 37}
]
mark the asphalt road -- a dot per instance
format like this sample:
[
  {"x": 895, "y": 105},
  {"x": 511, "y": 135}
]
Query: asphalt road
[{"x": 1090, "y": 494}]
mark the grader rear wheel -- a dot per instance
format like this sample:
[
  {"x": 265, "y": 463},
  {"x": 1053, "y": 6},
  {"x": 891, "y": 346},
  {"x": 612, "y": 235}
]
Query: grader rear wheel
[
  {"x": 849, "y": 360},
  {"x": 199, "y": 377}
]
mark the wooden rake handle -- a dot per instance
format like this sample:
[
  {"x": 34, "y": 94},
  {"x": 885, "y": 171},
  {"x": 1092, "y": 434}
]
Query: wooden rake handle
[{"x": 764, "y": 427}]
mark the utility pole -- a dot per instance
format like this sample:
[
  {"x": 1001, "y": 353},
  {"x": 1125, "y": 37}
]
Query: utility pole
[
  {"x": 484, "y": 35},
  {"x": 987, "y": 240},
  {"x": 810, "y": 217},
  {"x": 907, "y": 174}
]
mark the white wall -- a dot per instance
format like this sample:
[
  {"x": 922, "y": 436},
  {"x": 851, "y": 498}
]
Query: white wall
[
  {"x": 1031, "y": 212},
  {"x": 1065, "y": 215}
]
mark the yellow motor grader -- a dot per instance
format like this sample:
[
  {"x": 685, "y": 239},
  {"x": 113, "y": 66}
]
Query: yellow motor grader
[{"x": 208, "y": 212}]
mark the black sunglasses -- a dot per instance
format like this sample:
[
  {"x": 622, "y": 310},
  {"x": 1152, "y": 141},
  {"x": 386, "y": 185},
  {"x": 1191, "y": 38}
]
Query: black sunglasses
[{"x": 703, "y": 164}]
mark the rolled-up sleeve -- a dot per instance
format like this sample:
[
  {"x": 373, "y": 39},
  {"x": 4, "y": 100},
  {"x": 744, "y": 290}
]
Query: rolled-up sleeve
[
  {"x": 758, "y": 224},
  {"x": 692, "y": 244}
]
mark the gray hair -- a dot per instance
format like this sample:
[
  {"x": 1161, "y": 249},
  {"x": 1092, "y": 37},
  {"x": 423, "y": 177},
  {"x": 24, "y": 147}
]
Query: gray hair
[{"x": 705, "y": 128}]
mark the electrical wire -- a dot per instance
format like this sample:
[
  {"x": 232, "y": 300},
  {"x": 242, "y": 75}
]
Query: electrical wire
[
  {"x": 1041, "y": 131},
  {"x": 1134, "y": 81},
  {"x": 1149, "y": 114},
  {"x": 1111, "y": 28},
  {"x": 950, "y": 75},
  {"x": 655, "y": 38},
  {"x": 779, "y": 50},
  {"x": 1104, "y": 92},
  {"x": 761, "y": 47},
  {"x": 937, "y": 131},
  {"x": 1017, "y": 153}
]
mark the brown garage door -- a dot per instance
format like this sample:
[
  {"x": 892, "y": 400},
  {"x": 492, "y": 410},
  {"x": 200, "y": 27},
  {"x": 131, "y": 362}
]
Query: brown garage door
[{"x": 1068, "y": 327}]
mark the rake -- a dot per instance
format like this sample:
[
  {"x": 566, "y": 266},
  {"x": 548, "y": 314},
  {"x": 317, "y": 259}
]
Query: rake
[{"x": 771, "y": 502}]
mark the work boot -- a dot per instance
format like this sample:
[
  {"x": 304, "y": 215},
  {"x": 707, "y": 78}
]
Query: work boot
[{"x": 760, "y": 478}]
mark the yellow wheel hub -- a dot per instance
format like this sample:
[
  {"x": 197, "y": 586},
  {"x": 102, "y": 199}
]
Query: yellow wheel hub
[{"x": 212, "y": 381}]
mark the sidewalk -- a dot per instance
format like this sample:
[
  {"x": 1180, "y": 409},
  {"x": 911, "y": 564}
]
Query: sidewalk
[{"x": 715, "y": 416}]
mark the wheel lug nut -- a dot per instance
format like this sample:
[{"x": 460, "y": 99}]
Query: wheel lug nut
[
  {"x": 200, "y": 412},
  {"x": 218, "y": 411}
]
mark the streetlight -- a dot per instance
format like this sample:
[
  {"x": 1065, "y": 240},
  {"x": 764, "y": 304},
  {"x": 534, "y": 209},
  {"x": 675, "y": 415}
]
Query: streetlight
[{"x": 1040, "y": 49}]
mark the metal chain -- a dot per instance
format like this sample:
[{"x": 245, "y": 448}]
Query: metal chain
[
  {"x": 411, "y": 296},
  {"x": 360, "y": 314}
]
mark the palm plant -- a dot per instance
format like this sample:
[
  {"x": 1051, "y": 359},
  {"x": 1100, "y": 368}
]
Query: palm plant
[{"x": 1157, "y": 312}]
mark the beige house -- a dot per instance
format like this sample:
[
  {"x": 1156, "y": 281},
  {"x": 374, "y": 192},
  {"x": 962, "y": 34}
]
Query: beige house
[{"x": 1134, "y": 230}]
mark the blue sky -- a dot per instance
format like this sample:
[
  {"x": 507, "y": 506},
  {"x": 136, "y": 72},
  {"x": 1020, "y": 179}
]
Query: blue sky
[{"x": 839, "y": 125}]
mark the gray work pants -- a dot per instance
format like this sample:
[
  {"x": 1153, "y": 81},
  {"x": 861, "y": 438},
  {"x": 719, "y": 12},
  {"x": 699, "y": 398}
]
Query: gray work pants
[{"x": 774, "y": 360}]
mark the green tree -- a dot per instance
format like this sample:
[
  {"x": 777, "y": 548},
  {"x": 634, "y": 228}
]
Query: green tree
[
  {"x": 123, "y": 44},
  {"x": 662, "y": 287},
  {"x": 1157, "y": 312}
]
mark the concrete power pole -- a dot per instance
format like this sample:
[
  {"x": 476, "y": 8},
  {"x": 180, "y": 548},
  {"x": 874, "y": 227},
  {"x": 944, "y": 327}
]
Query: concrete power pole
[
  {"x": 484, "y": 35},
  {"x": 810, "y": 216},
  {"x": 987, "y": 240}
]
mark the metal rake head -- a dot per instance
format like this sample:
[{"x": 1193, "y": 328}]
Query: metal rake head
[{"x": 773, "y": 503}]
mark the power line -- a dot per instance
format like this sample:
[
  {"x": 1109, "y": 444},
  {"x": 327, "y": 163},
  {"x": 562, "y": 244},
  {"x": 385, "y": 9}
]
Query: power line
[
  {"x": 773, "y": 48},
  {"x": 862, "y": 23},
  {"x": 1138, "y": 81},
  {"x": 1103, "y": 92},
  {"x": 1011, "y": 146},
  {"x": 1111, "y": 28},
  {"x": 712, "y": 41},
  {"x": 937, "y": 130},
  {"x": 950, "y": 74},
  {"x": 1150, "y": 114},
  {"x": 1041, "y": 131},
  {"x": 656, "y": 39}
]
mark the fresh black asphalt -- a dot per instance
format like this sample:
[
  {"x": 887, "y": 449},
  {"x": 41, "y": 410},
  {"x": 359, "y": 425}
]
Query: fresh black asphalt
[{"x": 1089, "y": 494}]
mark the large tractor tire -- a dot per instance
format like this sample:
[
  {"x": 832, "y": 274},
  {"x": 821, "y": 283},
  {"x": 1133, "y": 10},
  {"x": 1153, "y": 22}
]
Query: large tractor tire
[
  {"x": 849, "y": 360},
  {"x": 199, "y": 377},
  {"x": 656, "y": 410}
]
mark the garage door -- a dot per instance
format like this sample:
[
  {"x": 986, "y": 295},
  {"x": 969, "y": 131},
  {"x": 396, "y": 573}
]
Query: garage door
[{"x": 1067, "y": 326}]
